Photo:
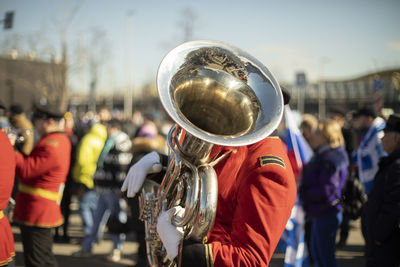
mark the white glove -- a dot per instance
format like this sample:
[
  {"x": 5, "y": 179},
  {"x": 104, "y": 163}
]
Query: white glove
[
  {"x": 170, "y": 234},
  {"x": 149, "y": 163}
]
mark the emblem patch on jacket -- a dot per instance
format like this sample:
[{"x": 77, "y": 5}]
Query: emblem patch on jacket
[
  {"x": 51, "y": 142},
  {"x": 271, "y": 159}
]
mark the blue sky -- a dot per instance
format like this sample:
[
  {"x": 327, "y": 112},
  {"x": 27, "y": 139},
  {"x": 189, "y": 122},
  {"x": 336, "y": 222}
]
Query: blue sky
[{"x": 330, "y": 39}]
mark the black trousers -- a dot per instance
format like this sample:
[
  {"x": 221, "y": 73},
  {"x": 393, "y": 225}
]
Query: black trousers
[
  {"x": 344, "y": 228},
  {"x": 65, "y": 210},
  {"x": 307, "y": 233},
  {"x": 38, "y": 243},
  {"x": 138, "y": 227}
]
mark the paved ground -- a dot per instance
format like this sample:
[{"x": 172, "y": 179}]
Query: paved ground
[{"x": 350, "y": 256}]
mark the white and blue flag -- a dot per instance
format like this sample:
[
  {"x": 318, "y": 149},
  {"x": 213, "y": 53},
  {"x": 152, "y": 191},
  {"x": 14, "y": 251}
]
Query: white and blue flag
[{"x": 292, "y": 242}]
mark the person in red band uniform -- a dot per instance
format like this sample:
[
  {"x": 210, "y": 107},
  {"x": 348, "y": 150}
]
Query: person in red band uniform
[
  {"x": 7, "y": 173},
  {"x": 256, "y": 194},
  {"x": 42, "y": 175},
  {"x": 257, "y": 191}
]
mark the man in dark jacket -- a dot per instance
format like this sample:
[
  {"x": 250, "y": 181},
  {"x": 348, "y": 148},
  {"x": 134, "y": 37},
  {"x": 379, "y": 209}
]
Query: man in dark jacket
[{"x": 382, "y": 213}]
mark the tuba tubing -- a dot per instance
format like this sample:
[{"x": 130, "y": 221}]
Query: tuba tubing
[{"x": 217, "y": 94}]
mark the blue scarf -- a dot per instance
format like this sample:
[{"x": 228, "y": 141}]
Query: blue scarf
[{"x": 104, "y": 152}]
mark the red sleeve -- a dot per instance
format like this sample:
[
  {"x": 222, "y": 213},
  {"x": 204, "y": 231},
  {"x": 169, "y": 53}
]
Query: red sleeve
[
  {"x": 40, "y": 161},
  {"x": 264, "y": 206},
  {"x": 7, "y": 170},
  {"x": 265, "y": 198}
]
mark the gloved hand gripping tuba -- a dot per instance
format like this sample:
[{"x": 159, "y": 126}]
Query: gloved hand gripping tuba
[{"x": 217, "y": 95}]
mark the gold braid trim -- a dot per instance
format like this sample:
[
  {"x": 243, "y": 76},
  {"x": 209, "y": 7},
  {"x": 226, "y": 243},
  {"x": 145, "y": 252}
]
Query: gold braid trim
[{"x": 209, "y": 255}]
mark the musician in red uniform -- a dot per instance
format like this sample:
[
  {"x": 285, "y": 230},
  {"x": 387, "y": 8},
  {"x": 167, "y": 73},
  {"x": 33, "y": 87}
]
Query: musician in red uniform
[
  {"x": 42, "y": 175},
  {"x": 7, "y": 173},
  {"x": 257, "y": 191},
  {"x": 256, "y": 194}
]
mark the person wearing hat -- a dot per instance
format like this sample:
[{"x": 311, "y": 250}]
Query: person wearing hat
[
  {"x": 41, "y": 176},
  {"x": 382, "y": 211},
  {"x": 369, "y": 150}
]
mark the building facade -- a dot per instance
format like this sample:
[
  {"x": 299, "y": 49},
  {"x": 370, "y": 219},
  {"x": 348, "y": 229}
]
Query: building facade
[
  {"x": 380, "y": 88},
  {"x": 23, "y": 81}
]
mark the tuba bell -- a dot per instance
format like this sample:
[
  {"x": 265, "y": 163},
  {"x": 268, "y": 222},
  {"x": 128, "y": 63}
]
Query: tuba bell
[{"x": 217, "y": 94}]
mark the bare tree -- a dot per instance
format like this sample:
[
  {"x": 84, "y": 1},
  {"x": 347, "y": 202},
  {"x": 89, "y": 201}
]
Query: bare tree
[
  {"x": 39, "y": 44},
  {"x": 12, "y": 42},
  {"x": 187, "y": 23},
  {"x": 97, "y": 55},
  {"x": 63, "y": 24},
  {"x": 64, "y": 66},
  {"x": 36, "y": 45}
]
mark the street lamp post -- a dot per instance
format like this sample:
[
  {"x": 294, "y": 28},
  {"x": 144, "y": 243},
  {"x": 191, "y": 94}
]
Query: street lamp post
[
  {"x": 128, "y": 102},
  {"x": 321, "y": 99},
  {"x": 322, "y": 90},
  {"x": 301, "y": 85}
]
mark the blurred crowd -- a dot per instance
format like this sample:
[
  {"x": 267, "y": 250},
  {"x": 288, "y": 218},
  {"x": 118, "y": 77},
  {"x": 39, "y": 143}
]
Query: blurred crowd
[
  {"x": 102, "y": 148},
  {"x": 339, "y": 185},
  {"x": 353, "y": 174}
]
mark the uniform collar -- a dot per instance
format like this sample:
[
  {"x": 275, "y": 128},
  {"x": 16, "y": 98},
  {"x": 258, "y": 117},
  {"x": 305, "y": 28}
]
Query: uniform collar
[{"x": 55, "y": 132}]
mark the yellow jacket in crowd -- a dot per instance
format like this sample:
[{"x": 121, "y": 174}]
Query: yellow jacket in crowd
[{"x": 88, "y": 152}]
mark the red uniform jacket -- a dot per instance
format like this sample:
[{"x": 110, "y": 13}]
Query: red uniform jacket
[
  {"x": 256, "y": 194},
  {"x": 7, "y": 174},
  {"x": 42, "y": 176}
]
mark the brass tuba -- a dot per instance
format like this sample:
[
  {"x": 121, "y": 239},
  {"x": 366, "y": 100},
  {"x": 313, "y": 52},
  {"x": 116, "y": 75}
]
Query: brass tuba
[{"x": 216, "y": 94}]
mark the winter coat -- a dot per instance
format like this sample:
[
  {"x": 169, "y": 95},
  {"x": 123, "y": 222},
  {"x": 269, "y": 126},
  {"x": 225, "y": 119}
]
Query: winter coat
[
  {"x": 87, "y": 154},
  {"x": 322, "y": 181},
  {"x": 382, "y": 214},
  {"x": 113, "y": 163}
]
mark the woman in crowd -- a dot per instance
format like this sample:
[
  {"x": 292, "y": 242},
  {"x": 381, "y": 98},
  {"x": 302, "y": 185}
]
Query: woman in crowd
[{"x": 322, "y": 183}]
